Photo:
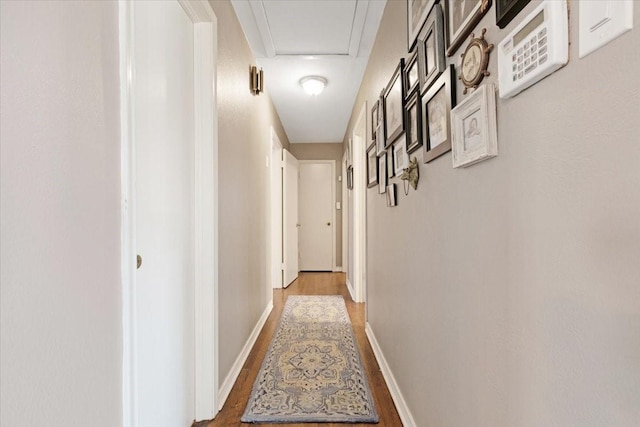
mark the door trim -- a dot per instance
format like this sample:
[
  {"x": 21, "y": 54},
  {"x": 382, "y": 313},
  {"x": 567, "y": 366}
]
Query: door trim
[
  {"x": 276, "y": 256},
  {"x": 333, "y": 207},
  {"x": 360, "y": 205},
  {"x": 206, "y": 207}
]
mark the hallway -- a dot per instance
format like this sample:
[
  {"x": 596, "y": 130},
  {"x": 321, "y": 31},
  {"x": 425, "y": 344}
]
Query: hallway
[{"x": 308, "y": 284}]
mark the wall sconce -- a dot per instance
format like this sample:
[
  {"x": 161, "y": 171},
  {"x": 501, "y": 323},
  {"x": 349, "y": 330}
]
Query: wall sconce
[{"x": 256, "y": 80}]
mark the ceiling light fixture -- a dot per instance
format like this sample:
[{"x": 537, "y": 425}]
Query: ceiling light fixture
[{"x": 313, "y": 85}]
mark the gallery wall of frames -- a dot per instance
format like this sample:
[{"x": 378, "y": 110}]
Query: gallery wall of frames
[{"x": 418, "y": 108}]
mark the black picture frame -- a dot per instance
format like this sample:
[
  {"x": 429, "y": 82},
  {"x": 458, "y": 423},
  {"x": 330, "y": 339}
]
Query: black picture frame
[
  {"x": 411, "y": 73},
  {"x": 393, "y": 96},
  {"x": 417, "y": 12},
  {"x": 413, "y": 116},
  {"x": 506, "y": 10},
  {"x": 436, "y": 106},
  {"x": 390, "y": 169},
  {"x": 432, "y": 60},
  {"x": 461, "y": 19},
  {"x": 372, "y": 166},
  {"x": 374, "y": 120}
]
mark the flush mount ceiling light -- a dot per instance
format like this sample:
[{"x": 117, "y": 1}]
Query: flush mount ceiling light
[{"x": 313, "y": 85}]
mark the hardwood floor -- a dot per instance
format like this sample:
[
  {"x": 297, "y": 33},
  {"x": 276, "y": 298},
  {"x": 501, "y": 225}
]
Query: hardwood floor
[{"x": 308, "y": 284}]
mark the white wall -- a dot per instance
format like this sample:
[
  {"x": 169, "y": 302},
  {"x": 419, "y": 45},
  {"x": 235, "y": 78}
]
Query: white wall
[
  {"x": 60, "y": 230},
  {"x": 508, "y": 293}
]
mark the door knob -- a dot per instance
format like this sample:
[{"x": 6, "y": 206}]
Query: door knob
[
  {"x": 328, "y": 223},
  {"x": 138, "y": 261}
]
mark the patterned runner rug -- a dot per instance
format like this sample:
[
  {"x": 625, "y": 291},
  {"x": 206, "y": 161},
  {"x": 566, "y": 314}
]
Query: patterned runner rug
[{"x": 312, "y": 371}]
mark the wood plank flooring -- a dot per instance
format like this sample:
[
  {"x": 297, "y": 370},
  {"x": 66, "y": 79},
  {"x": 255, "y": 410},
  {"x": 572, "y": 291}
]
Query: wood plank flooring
[{"x": 308, "y": 284}]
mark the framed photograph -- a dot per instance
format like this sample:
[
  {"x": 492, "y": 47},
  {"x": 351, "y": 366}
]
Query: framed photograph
[
  {"x": 506, "y": 10},
  {"x": 462, "y": 18},
  {"x": 414, "y": 117},
  {"x": 382, "y": 173},
  {"x": 391, "y": 195},
  {"x": 475, "y": 136},
  {"x": 400, "y": 156},
  {"x": 417, "y": 12},
  {"x": 372, "y": 166},
  {"x": 374, "y": 120},
  {"x": 350, "y": 178},
  {"x": 436, "y": 110},
  {"x": 390, "y": 170},
  {"x": 431, "y": 52},
  {"x": 411, "y": 74},
  {"x": 380, "y": 133},
  {"x": 393, "y": 105}
]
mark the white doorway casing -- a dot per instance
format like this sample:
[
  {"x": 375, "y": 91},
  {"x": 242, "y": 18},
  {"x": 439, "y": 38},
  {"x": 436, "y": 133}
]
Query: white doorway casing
[
  {"x": 290, "y": 218},
  {"x": 317, "y": 232},
  {"x": 204, "y": 219},
  {"x": 275, "y": 163},
  {"x": 359, "y": 213}
]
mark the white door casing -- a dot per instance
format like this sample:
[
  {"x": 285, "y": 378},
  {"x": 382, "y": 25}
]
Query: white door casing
[
  {"x": 276, "y": 211},
  {"x": 290, "y": 218},
  {"x": 200, "y": 341},
  {"x": 317, "y": 215},
  {"x": 359, "y": 212}
]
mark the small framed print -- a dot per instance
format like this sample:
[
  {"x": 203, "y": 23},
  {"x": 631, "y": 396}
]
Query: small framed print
[
  {"x": 382, "y": 173},
  {"x": 431, "y": 55},
  {"x": 506, "y": 10},
  {"x": 372, "y": 166},
  {"x": 391, "y": 195},
  {"x": 374, "y": 120},
  {"x": 394, "y": 106},
  {"x": 390, "y": 170},
  {"x": 350, "y": 178},
  {"x": 400, "y": 156},
  {"x": 380, "y": 130},
  {"x": 411, "y": 74},
  {"x": 436, "y": 110},
  {"x": 414, "y": 128},
  {"x": 417, "y": 12},
  {"x": 462, "y": 18},
  {"x": 475, "y": 136}
]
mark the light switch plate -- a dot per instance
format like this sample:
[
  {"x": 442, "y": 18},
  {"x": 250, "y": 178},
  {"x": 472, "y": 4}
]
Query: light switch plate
[
  {"x": 602, "y": 21},
  {"x": 338, "y": 205}
]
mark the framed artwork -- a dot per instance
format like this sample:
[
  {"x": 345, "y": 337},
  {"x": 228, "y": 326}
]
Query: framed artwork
[
  {"x": 380, "y": 131},
  {"x": 372, "y": 167},
  {"x": 414, "y": 118},
  {"x": 436, "y": 109},
  {"x": 462, "y": 18},
  {"x": 382, "y": 173},
  {"x": 391, "y": 195},
  {"x": 349, "y": 160},
  {"x": 506, "y": 10},
  {"x": 417, "y": 12},
  {"x": 393, "y": 105},
  {"x": 411, "y": 74},
  {"x": 473, "y": 121},
  {"x": 374, "y": 120},
  {"x": 390, "y": 170},
  {"x": 431, "y": 55},
  {"x": 400, "y": 156},
  {"x": 350, "y": 178}
]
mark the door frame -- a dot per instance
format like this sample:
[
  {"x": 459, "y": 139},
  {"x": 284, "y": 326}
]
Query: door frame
[
  {"x": 206, "y": 210},
  {"x": 360, "y": 206},
  {"x": 333, "y": 210},
  {"x": 277, "y": 244}
]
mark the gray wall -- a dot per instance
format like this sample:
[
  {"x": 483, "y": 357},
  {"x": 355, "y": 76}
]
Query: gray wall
[
  {"x": 244, "y": 122},
  {"x": 61, "y": 299},
  {"x": 508, "y": 293},
  {"x": 325, "y": 151}
]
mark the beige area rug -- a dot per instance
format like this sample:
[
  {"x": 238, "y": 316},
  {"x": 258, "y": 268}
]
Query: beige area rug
[{"x": 312, "y": 371}]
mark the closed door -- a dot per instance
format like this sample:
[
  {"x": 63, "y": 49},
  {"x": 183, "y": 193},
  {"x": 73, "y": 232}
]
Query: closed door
[
  {"x": 290, "y": 218},
  {"x": 165, "y": 177},
  {"x": 316, "y": 216}
]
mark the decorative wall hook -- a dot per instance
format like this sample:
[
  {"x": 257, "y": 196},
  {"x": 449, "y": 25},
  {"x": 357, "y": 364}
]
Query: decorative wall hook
[
  {"x": 410, "y": 176},
  {"x": 256, "y": 80}
]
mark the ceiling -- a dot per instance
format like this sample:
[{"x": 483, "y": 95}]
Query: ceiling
[{"x": 292, "y": 39}]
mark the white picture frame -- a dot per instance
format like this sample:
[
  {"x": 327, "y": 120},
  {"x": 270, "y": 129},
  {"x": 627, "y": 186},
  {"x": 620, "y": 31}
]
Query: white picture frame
[
  {"x": 400, "y": 156},
  {"x": 382, "y": 173},
  {"x": 474, "y": 128},
  {"x": 417, "y": 12}
]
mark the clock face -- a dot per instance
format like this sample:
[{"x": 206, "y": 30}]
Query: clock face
[{"x": 471, "y": 63}]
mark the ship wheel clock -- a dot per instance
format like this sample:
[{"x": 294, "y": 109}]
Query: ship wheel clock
[{"x": 475, "y": 61}]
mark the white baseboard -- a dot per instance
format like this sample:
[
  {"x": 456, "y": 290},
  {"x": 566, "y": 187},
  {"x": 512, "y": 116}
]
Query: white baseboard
[
  {"x": 231, "y": 378},
  {"x": 351, "y": 291},
  {"x": 337, "y": 269},
  {"x": 396, "y": 395}
]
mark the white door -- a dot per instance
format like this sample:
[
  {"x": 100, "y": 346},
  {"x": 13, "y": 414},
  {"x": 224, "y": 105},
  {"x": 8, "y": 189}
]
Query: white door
[
  {"x": 316, "y": 216},
  {"x": 276, "y": 210},
  {"x": 290, "y": 217},
  {"x": 164, "y": 224}
]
